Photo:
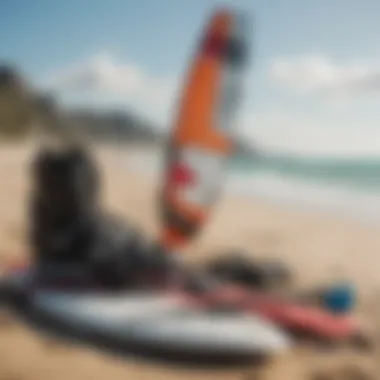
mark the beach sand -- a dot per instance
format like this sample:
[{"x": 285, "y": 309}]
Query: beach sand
[{"x": 318, "y": 247}]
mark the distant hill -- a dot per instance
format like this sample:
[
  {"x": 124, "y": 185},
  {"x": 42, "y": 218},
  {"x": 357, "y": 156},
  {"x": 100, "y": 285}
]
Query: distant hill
[
  {"x": 22, "y": 110},
  {"x": 111, "y": 125},
  {"x": 16, "y": 102},
  {"x": 120, "y": 125}
]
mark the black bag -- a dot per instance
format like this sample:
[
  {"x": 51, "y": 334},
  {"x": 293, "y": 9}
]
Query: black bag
[{"x": 64, "y": 204}]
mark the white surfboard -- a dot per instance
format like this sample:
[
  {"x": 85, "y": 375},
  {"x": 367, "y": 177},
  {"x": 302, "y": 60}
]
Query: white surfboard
[{"x": 154, "y": 320}]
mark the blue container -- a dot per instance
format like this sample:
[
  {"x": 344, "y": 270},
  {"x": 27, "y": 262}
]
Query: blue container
[{"x": 340, "y": 298}]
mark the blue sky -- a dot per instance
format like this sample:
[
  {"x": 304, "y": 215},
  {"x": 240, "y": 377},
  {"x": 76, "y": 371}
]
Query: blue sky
[{"x": 313, "y": 85}]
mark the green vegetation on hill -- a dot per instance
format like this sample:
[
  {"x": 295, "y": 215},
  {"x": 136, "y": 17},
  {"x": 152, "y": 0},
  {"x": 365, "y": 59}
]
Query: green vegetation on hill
[
  {"x": 111, "y": 125},
  {"x": 16, "y": 103}
]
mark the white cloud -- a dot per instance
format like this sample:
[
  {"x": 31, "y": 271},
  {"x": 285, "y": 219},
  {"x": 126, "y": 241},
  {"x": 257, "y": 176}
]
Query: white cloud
[
  {"x": 103, "y": 76},
  {"x": 320, "y": 74}
]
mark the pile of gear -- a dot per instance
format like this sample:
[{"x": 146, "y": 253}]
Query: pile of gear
[{"x": 70, "y": 228}]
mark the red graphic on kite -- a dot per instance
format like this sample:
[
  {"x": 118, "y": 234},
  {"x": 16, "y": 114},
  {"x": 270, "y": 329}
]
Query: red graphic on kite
[{"x": 180, "y": 175}]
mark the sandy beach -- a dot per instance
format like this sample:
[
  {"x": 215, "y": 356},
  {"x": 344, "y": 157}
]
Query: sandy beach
[{"x": 318, "y": 247}]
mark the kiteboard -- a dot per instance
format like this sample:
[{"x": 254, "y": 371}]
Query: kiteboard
[{"x": 157, "y": 322}]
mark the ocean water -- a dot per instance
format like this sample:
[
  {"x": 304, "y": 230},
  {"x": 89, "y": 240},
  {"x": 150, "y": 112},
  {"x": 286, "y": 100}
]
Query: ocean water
[{"x": 346, "y": 186}]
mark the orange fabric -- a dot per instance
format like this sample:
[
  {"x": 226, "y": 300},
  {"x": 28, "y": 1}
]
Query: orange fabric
[{"x": 195, "y": 125}]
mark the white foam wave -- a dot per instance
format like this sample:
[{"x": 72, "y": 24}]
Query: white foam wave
[{"x": 358, "y": 204}]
